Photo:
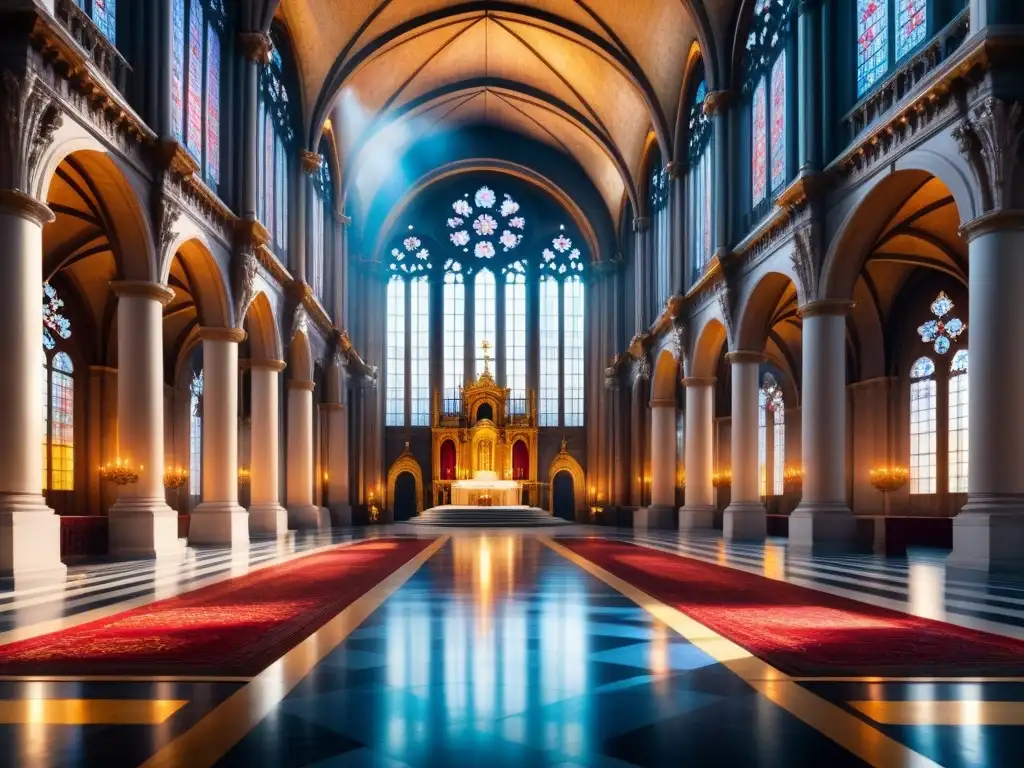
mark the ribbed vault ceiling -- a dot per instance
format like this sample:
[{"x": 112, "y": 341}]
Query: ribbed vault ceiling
[{"x": 592, "y": 79}]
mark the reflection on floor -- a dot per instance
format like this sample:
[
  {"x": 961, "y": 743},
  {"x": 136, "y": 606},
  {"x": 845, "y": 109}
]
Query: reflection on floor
[{"x": 500, "y": 651}]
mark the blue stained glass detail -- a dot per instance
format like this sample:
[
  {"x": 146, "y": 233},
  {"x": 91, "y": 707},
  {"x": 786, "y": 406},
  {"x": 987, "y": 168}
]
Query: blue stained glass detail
[
  {"x": 54, "y": 323},
  {"x": 778, "y": 121},
  {"x": 104, "y": 15},
  {"x": 922, "y": 368},
  {"x": 178, "y": 70},
  {"x": 194, "y": 98},
  {"x": 942, "y": 305},
  {"x": 911, "y": 25},
  {"x": 929, "y": 330},
  {"x": 959, "y": 364},
  {"x": 872, "y": 43},
  {"x": 942, "y": 331},
  {"x": 942, "y": 345},
  {"x": 213, "y": 105},
  {"x": 955, "y": 327}
]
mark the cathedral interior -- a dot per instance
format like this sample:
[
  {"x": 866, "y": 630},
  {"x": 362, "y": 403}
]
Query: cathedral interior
[{"x": 511, "y": 383}]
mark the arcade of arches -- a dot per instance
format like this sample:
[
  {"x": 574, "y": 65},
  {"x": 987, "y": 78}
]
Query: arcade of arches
[{"x": 279, "y": 271}]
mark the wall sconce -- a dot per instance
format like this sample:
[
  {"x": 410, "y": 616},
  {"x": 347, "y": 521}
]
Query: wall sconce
[{"x": 722, "y": 478}]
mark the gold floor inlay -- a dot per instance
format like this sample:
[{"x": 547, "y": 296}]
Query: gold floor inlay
[
  {"x": 965, "y": 712},
  {"x": 88, "y": 711}
]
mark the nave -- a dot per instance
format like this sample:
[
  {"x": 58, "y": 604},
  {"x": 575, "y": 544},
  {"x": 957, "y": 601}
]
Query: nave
[{"x": 512, "y": 648}]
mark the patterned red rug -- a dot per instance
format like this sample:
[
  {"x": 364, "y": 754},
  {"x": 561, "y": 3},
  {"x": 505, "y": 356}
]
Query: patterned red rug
[
  {"x": 801, "y": 631},
  {"x": 233, "y": 628}
]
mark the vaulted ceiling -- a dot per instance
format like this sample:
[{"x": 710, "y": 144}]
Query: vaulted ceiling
[{"x": 592, "y": 79}]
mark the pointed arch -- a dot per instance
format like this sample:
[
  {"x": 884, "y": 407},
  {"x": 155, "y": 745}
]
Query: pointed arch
[
  {"x": 405, "y": 463},
  {"x": 564, "y": 462}
]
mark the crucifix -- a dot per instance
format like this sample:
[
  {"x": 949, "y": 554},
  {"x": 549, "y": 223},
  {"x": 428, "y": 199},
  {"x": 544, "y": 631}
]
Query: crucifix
[{"x": 486, "y": 347}]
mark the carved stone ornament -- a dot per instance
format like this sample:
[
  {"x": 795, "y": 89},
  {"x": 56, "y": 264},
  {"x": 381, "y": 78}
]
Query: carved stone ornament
[
  {"x": 990, "y": 138},
  {"x": 244, "y": 278},
  {"x": 31, "y": 118},
  {"x": 166, "y": 215},
  {"x": 311, "y": 162},
  {"x": 256, "y": 46},
  {"x": 641, "y": 223},
  {"x": 677, "y": 341},
  {"x": 806, "y": 261},
  {"x": 716, "y": 102},
  {"x": 300, "y": 322},
  {"x": 641, "y": 370},
  {"x": 725, "y": 305}
]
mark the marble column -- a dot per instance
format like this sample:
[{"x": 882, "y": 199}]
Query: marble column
[
  {"x": 660, "y": 513},
  {"x": 823, "y": 519},
  {"x": 266, "y": 515},
  {"x": 141, "y": 524},
  {"x": 302, "y": 512},
  {"x": 336, "y": 430},
  {"x": 699, "y": 509},
  {"x": 745, "y": 516},
  {"x": 219, "y": 519},
  {"x": 255, "y": 47},
  {"x": 29, "y": 530},
  {"x": 988, "y": 534}
]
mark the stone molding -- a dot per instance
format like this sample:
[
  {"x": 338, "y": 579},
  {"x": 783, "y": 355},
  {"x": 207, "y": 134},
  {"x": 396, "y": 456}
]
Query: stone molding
[
  {"x": 994, "y": 221},
  {"x": 13, "y": 201},
  {"x": 699, "y": 381},
  {"x": 820, "y": 307},
  {"x": 663, "y": 402},
  {"x": 210, "y": 333},
  {"x": 745, "y": 356},
  {"x": 264, "y": 365},
  {"x": 302, "y": 384},
  {"x": 142, "y": 289}
]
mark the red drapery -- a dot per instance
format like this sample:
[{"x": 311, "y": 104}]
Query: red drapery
[
  {"x": 447, "y": 460},
  {"x": 520, "y": 461}
]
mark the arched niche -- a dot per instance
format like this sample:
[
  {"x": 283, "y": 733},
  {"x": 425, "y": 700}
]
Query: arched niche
[
  {"x": 564, "y": 462},
  {"x": 405, "y": 463}
]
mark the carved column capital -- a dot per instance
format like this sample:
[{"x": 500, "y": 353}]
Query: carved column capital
[
  {"x": 717, "y": 102},
  {"x": 641, "y": 224},
  {"x": 256, "y": 46},
  {"x": 675, "y": 169},
  {"x": 26, "y": 206},
  {"x": 310, "y": 162},
  {"x": 31, "y": 117},
  {"x": 990, "y": 138}
]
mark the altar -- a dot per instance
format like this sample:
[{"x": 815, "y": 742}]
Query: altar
[{"x": 485, "y": 489}]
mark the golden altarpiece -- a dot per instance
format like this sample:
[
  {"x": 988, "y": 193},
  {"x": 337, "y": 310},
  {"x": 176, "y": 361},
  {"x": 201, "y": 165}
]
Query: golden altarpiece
[{"x": 484, "y": 446}]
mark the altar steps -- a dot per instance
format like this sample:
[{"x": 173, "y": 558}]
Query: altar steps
[{"x": 487, "y": 517}]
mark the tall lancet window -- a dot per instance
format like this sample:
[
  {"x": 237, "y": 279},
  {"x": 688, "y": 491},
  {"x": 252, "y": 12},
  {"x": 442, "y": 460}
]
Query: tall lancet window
[
  {"x": 561, "y": 334},
  {"x": 195, "y": 436},
  {"x": 549, "y": 323},
  {"x": 419, "y": 351},
  {"x": 766, "y": 86},
  {"x": 58, "y": 397},
  {"x": 887, "y": 31},
  {"x": 698, "y": 179},
  {"x": 515, "y": 336},
  {"x": 923, "y": 474},
  {"x": 659, "y": 186},
  {"x": 198, "y": 27},
  {"x": 395, "y": 412},
  {"x": 454, "y": 299},
  {"x": 103, "y": 14},
  {"x": 573, "y": 355},
  {"x": 321, "y": 223},
  {"x": 959, "y": 396},
  {"x": 484, "y": 318},
  {"x": 771, "y": 440},
  {"x": 276, "y": 136}
]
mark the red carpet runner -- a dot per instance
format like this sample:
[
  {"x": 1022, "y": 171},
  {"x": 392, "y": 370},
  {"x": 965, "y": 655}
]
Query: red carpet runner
[
  {"x": 233, "y": 628},
  {"x": 802, "y": 631}
]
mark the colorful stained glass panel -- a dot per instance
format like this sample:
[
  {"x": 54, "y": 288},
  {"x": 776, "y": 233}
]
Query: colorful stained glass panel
[
  {"x": 194, "y": 98},
  {"x": 778, "y": 137},
  {"x": 911, "y": 25},
  {"x": 212, "y": 105},
  {"x": 872, "y": 42},
  {"x": 104, "y": 14},
  {"x": 178, "y": 70},
  {"x": 760, "y": 139}
]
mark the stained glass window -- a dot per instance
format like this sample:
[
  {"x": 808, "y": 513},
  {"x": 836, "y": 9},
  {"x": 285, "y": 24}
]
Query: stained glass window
[
  {"x": 321, "y": 224},
  {"x": 573, "y": 355},
  {"x": 922, "y": 427},
  {"x": 194, "y": 100},
  {"x": 278, "y": 128},
  {"x": 699, "y": 179},
  {"x": 549, "y": 343},
  {"x": 944, "y": 330},
  {"x": 212, "y": 105},
  {"x": 395, "y": 414},
  {"x": 758, "y": 126},
  {"x": 515, "y": 338},
  {"x": 104, "y": 16},
  {"x": 45, "y": 400},
  {"x": 911, "y": 25},
  {"x": 872, "y": 43},
  {"x": 195, "y": 436},
  {"x": 771, "y": 439},
  {"x": 178, "y": 70},
  {"x": 484, "y": 317},
  {"x": 419, "y": 351},
  {"x": 659, "y": 194},
  {"x": 778, "y": 131},
  {"x": 454, "y": 335},
  {"x": 62, "y": 424},
  {"x": 959, "y": 398}
]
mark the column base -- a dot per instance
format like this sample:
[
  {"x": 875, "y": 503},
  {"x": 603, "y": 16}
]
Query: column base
[
  {"x": 268, "y": 519},
  {"x": 308, "y": 517},
  {"x": 745, "y": 521},
  {"x": 29, "y": 539},
  {"x": 822, "y": 527},
  {"x": 654, "y": 516},
  {"x": 696, "y": 518},
  {"x": 988, "y": 535},
  {"x": 341, "y": 514},
  {"x": 143, "y": 528},
  {"x": 219, "y": 522}
]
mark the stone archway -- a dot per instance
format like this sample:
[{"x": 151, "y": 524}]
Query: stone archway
[
  {"x": 405, "y": 463},
  {"x": 564, "y": 462}
]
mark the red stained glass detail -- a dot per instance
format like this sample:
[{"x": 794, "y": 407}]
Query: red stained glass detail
[
  {"x": 778, "y": 137},
  {"x": 178, "y": 70},
  {"x": 760, "y": 140},
  {"x": 194, "y": 101},
  {"x": 213, "y": 105}
]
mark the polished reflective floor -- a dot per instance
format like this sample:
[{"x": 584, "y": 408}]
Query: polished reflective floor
[{"x": 497, "y": 649}]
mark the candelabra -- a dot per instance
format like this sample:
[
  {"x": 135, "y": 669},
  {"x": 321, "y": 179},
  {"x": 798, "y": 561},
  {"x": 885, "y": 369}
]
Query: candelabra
[
  {"x": 722, "y": 478},
  {"x": 176, "y": 477},
  {"x": 792, "y": 478},
  {"x": 244, "y": 475},
  {"x": 120, "y": 472},
  {"x": 886, "y": 480}
]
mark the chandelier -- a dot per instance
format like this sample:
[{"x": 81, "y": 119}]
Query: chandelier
[
  {"x": 175, "y": 478},
  {"x": 120, "y": 472}
]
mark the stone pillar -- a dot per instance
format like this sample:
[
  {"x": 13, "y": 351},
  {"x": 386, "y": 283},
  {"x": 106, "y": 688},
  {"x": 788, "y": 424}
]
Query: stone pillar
[
  {"x": 699, "y": 509},
  {"x": 302, "y": 512},
  {"x": 642, "y": 275},
  {"x": 219, "y": 519},
  {"x": 256, "y": 47},
  {"x": 29, "y": 530},
  {"x": 988, "y": 534},
  {"x": 823, "y": 518},
  {"x": 809, "y": 85},
  {"x": 716, "y": 105},
  {"x": 336, "y": 429},
  {"x": 660, "y": 513},
  {"x": 266, "y": 515},
  {"x": 141, "y": 524},
  {"x": 745, "y": 515}
]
